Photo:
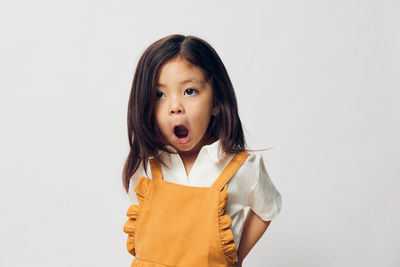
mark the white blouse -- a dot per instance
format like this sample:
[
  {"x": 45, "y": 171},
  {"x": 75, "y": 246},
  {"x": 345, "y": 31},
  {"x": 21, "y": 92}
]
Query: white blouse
[{"x": 250, "y": 186}]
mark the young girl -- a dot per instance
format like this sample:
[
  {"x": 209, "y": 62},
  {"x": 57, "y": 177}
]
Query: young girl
[{"x": 188, "y": 172}]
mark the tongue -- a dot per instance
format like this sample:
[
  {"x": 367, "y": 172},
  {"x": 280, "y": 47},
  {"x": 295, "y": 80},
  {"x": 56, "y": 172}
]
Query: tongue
[{"x": 181, "y": 131}]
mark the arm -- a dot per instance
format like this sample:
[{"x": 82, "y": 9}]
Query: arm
[{"x": 253, "y": 228}]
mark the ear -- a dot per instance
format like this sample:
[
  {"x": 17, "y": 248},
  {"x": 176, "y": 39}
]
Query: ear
[{"x": 215, "y": 110}]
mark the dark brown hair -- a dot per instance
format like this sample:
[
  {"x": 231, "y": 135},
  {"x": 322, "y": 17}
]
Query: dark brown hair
[{"x": 144, "y": 138}]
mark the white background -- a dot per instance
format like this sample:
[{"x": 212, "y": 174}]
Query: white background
[{"x": 316, "y": 80}]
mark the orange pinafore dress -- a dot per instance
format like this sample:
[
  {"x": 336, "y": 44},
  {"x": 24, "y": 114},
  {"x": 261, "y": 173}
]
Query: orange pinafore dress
[{"x": 181, "y": 226}]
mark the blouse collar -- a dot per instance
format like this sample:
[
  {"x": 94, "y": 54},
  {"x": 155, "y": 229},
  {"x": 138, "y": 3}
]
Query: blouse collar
[{"x": 214, "y": 151}]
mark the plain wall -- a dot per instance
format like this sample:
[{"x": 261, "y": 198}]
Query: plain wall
[{"x": 316, "y": 80}]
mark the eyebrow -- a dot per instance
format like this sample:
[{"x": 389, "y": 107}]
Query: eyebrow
[{"x": 185, "y": 81}]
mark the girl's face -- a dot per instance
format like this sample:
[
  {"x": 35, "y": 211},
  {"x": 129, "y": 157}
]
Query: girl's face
[{"x": 183, "y": 105}]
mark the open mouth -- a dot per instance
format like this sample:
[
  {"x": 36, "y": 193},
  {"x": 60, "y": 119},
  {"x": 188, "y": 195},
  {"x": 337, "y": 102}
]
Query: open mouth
[{"x": 181, "y": 131}]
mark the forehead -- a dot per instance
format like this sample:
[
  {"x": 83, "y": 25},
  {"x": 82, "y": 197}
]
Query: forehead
[{"x": 179, "y": 70}]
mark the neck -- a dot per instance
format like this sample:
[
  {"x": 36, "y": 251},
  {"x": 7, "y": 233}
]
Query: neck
[{"x": 192, "y": 154}]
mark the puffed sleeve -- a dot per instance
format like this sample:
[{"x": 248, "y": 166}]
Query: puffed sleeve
[{"x": 264, "y": 199}]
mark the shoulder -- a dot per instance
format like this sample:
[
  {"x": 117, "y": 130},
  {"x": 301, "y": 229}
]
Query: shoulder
[
  {"x": 135, "y": 178},
  {"x": 254, "y": 159},
  {"x": 254, "y": 163},
  {"x": 249, "y": 172}
]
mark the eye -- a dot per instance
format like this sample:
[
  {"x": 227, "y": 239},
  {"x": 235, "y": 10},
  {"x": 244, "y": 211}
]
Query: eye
[
  {"x": 191, "y": 91},
  {"x": 159, "y": 94}
]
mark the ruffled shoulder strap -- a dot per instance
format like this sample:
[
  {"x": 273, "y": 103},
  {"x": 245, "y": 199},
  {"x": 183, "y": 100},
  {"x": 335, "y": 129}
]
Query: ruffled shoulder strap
[
  {"x": 155, "y": 168},
  {"x": 230, "y": 170}
]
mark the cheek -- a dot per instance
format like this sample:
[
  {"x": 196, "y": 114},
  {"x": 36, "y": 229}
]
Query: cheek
[
  {"x": 159, "y": 118},
  {"x": 201, "y": 113}
]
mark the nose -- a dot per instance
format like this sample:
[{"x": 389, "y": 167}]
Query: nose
[{"x": 176, "y": 108}]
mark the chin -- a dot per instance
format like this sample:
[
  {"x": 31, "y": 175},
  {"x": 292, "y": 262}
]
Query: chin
[{"x": 184, "y": 148}]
